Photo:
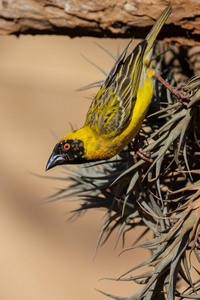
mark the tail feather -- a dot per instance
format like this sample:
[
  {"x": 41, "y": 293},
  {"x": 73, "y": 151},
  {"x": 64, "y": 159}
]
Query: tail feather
[{"x": 151, "y": 37}]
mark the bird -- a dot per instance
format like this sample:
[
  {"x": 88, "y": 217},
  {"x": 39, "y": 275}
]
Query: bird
[{"x": 117, "y": 111}]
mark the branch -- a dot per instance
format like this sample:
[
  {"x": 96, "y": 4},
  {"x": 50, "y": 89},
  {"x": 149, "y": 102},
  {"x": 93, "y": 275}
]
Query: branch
[{"x": 111, "y": 18}]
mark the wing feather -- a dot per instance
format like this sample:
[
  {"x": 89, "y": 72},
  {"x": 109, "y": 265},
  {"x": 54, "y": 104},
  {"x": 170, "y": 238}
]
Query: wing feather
[{"x": 112, "y": 107}]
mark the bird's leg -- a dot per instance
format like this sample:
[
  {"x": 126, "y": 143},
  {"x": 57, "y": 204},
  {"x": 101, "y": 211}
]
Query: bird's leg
[
  {"x": 175, "y": 91},
  {"x": 136, "y": 146}
]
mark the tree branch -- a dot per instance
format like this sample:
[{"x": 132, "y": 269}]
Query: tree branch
[{"x": 119, "y": 18}]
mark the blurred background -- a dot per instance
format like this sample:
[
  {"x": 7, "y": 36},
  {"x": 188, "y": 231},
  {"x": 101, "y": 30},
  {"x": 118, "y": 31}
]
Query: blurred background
[{"x": 42, "y": 255}]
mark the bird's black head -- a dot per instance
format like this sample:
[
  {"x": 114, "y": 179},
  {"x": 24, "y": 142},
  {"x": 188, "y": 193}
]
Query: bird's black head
[{"x": 67, "y": 152}]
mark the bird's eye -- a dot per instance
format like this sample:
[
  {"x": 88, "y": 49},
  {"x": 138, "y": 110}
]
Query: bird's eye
[{"x": 66, "y": 146}]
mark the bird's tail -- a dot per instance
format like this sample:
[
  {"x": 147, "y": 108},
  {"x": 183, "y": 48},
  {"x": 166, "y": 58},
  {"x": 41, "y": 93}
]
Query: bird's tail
[{"x": 151, "y": 37}]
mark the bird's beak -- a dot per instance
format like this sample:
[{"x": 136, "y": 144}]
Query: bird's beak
[{"x": 54, "y": 160}]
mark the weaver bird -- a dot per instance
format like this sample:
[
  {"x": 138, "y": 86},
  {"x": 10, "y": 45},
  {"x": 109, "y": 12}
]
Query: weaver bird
[{"x": 117, "y": 111}]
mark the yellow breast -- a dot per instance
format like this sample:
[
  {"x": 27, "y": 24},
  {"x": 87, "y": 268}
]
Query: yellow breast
[{"x": 144, "y": 96}]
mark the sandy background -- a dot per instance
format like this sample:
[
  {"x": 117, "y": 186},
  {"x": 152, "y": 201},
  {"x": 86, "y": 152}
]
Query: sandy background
[{"x": 42, "y": 256}]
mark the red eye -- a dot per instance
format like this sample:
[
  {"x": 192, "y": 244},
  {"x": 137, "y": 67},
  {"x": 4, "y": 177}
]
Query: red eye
[{"x": 66, "y": 146}]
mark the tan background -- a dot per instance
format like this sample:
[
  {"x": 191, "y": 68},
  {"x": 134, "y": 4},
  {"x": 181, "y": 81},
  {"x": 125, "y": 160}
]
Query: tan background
[{"x": 41, "y": 255}]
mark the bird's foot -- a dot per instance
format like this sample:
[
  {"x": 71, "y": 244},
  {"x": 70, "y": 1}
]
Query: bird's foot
[
  {"x": 144, "y": 155},
  {"x": 136, "y": 146},
  {"x": 180, "y": 95}
]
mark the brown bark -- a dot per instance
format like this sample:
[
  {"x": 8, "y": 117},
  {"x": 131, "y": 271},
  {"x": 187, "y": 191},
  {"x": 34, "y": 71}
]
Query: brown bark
[{"x": 112, "y": 18}]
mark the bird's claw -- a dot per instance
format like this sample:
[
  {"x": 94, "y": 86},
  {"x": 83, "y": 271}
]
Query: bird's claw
[
  {"x": 184, "y": 98},
  {"x": 145, "y": 155},
  {"x": 180, "y": 95},
  {"x": 136, "y": 146}
]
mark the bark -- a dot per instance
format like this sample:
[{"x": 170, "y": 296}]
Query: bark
[{"x": 100, "y": 18}]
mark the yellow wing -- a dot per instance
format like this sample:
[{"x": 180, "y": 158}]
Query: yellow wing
[{"x": 111, "y": 110}]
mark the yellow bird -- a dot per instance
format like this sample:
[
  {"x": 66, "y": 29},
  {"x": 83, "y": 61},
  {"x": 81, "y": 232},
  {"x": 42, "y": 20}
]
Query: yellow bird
[{"x": 117, "y": 111}]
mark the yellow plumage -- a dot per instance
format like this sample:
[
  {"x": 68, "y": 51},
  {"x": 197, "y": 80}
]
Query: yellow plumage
[{"x": 117, "y": 111}]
